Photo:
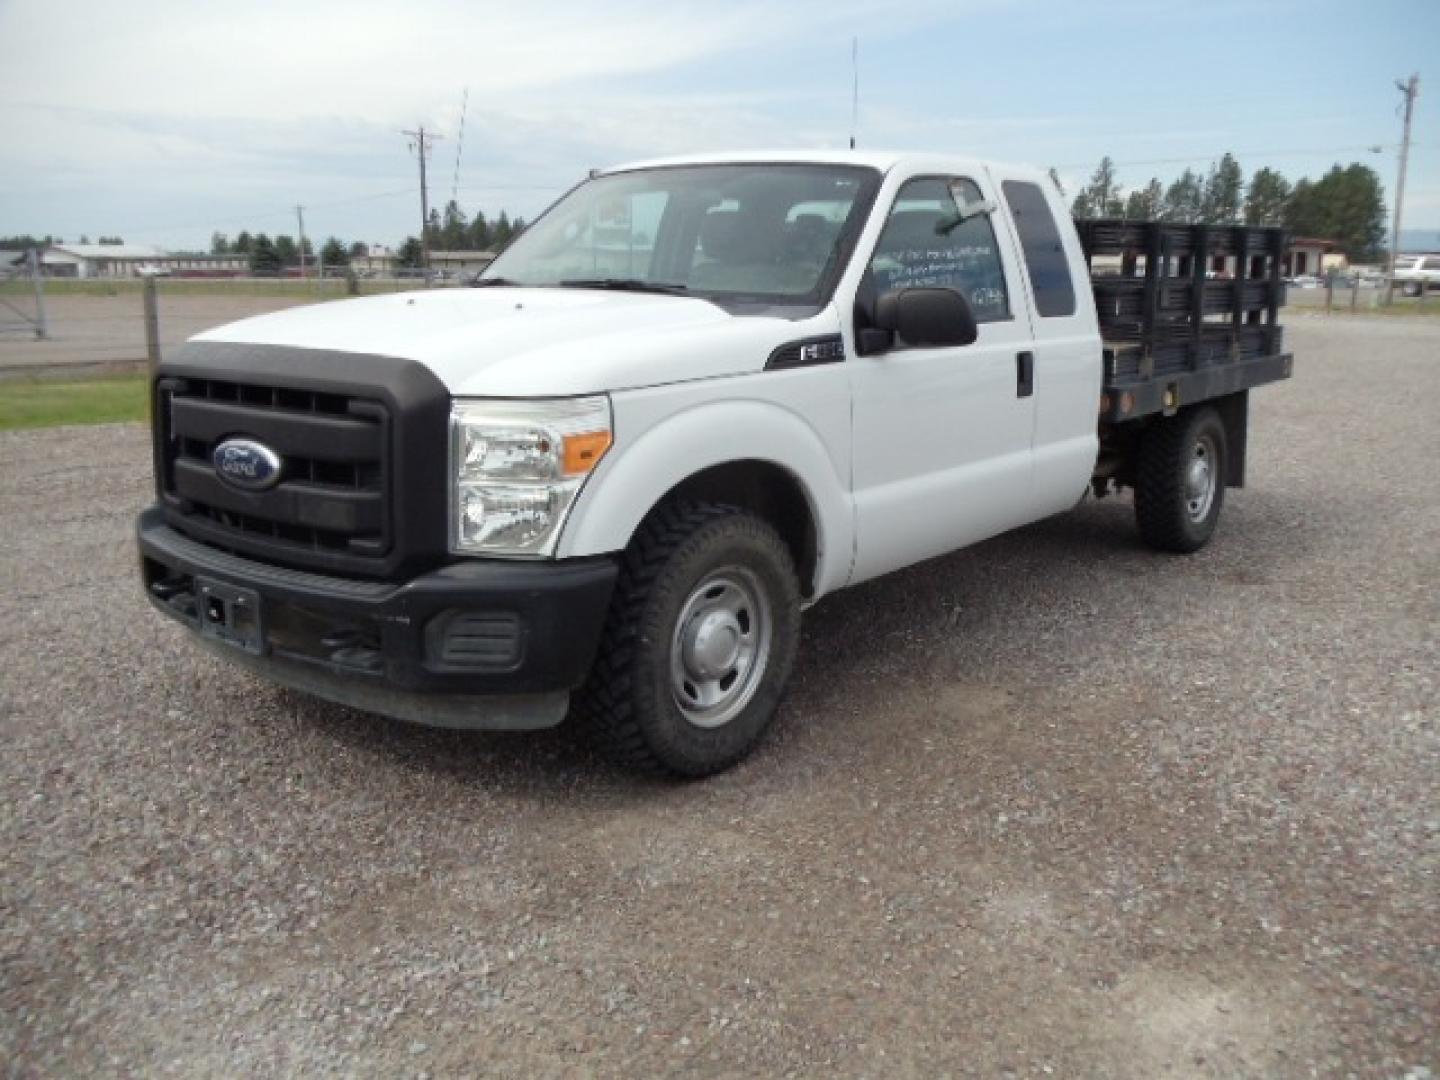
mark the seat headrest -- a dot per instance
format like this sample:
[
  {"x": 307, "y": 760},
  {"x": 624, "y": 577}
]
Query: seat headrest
[
  {"x": 720, "y": 235},
  {"x": 913, "y": 229}
]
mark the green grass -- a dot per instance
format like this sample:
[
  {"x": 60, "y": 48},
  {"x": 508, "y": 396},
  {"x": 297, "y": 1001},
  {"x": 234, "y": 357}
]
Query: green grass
[{"x": 37, "y": 403}]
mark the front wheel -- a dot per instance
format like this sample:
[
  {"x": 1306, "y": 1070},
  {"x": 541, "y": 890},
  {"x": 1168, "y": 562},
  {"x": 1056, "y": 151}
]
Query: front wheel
[
  {"x": 1180, "y": 481},
  {"x": 699, "y": 644}
]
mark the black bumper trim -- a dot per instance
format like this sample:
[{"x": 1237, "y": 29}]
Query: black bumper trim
[{"x": 559, "y": 605}]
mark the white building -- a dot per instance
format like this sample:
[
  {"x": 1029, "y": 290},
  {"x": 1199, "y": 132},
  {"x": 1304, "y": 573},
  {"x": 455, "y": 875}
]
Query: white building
[{"x": 129, "y": 260}]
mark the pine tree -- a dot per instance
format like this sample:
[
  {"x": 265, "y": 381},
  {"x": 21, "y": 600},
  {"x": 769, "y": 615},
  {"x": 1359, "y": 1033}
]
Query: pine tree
[
  {"x": 1144, "y": 204},
  {"x": 479, "y": 233},
  {"x": 334, "y": 253},
  {"x": 1345, "y": 205},
  {"x": 410, "y": 254},
  {"x": 1102, "y": 196},
  {"x": 1224, "y": 189},
  {"x": 243, "y": 243},
  {"x": 453, "y": 228},
  {"x": 1266, "y": 198},
  {"x": 264, "y": 261},
  {"x": 500, "y": 235},
  {"x": 1184, "y": 199},
  {"x": 286, "y": 251}
]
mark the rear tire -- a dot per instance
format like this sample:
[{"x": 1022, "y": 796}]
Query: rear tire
[
  {"x": 1412, "y": 288},
  {"x": 1180, "y": 481},
  {"x": 700, "y": 640}
]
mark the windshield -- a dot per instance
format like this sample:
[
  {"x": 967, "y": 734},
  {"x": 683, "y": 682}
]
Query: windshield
[{"x": 769, "y": 232}]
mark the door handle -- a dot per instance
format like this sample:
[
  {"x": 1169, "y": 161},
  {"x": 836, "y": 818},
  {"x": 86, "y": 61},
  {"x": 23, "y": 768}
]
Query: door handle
[{"x": 1024, "y": 374}]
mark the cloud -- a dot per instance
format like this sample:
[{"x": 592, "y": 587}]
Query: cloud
[
  {"x": 109, "y": 109},
  {"x": 380, "y": 61}
]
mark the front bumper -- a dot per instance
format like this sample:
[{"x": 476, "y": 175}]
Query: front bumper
[{"x": 481, "y": 644}]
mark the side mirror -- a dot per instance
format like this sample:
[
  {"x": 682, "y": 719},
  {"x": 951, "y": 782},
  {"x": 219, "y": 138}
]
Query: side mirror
[{"x": 935, "y": 316}]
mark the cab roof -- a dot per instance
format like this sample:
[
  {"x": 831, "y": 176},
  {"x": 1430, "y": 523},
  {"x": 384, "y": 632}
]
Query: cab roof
[{"x": 884, "y": 160}]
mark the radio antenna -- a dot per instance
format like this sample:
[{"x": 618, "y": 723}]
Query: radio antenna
[
  {"x": 854, "y": 88},
  {"x": 459, "y": 148}
]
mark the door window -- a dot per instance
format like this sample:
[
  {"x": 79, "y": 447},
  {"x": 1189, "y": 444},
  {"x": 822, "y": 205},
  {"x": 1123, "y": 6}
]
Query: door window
[{"x": 939, "y": 234}]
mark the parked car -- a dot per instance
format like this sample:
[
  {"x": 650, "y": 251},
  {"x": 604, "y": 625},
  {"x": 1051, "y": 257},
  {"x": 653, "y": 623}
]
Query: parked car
[
  {"x": 609, "y": 483},
  {"x": 153, "y": 271},
  {"x": 1304, "y": 281},
  {"x": 1417, "y": 273}
]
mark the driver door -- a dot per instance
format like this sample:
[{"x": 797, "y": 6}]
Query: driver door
[{"x": 942, "y": 435}]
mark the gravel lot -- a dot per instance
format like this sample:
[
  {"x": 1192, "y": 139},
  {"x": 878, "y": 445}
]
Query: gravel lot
[{"x": 1053, "y": 804}]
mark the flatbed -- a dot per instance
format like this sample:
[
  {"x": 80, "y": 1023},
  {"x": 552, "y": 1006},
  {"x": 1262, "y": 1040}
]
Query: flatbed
[{"x": 1187, "y": 312}]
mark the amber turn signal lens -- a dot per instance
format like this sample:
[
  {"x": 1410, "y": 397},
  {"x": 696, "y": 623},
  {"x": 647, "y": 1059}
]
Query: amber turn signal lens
[{"x": 583, "y": 452}]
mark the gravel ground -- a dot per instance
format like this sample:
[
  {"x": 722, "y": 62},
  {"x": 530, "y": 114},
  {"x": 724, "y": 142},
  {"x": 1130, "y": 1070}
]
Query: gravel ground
[{"x": 1053, "y": 804}]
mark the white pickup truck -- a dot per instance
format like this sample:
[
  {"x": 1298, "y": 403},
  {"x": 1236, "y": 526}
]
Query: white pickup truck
[
  {"x": 696, "y": 396},
  {"x": 1414, "y": 274}
]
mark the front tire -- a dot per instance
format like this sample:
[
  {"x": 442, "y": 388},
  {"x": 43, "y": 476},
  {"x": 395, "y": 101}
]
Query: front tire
[
  {"x": 1180, "y": 481},
  {"x": 699, "y": 644}
]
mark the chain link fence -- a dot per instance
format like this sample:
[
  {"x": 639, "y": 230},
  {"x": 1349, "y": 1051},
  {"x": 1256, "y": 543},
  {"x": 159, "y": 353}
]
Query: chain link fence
[{"x": 97, "y": 326}]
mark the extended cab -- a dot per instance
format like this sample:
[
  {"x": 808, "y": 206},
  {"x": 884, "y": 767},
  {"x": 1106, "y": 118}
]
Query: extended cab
[{"x": 696, "y": 396}]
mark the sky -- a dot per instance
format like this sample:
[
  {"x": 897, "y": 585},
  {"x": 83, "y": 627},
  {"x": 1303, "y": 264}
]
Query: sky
[{"x": 166, "y": 120}]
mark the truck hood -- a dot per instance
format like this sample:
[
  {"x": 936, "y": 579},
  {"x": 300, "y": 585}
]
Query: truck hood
[{"x": 518, "y": 342}]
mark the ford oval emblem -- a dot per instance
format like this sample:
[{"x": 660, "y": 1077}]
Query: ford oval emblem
[{"x": 247, "y": 464}]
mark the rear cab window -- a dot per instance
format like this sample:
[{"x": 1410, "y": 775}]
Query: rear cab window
[{"x": 1045, "y": 258}]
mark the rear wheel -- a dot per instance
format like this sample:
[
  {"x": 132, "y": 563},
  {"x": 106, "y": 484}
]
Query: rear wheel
[
  {"x": 1180, "y": 481},
  {"x": 1412, "y": 288},
  {"x": 700, "y": 641}
]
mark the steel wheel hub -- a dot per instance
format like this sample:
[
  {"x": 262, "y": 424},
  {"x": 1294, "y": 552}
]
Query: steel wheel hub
[
  {"x": 720, "y": 647},
  {"x": 1200, "y": 479},
  {"x": 712, "y": 644}
]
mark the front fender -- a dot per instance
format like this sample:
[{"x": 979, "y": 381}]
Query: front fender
[{"x": 637, "y": 475}]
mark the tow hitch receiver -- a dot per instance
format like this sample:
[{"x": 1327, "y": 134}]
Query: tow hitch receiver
[{"x": 230, "y": 614}]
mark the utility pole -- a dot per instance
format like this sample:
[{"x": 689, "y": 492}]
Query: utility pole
[
  {"x": 420, "y": 141},
  {"x": 1411, "y": 90},
  {"x": 300, "y": 218},
  {"x": 37, "y": 281}
]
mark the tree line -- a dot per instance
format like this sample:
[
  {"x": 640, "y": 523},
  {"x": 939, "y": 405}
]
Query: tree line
[
  {"x": 447, "y": 230},
  {"x": 25, "y": 241},
  {"x": 1346, "y": 205},
  {"x": 451, "y": 230}
]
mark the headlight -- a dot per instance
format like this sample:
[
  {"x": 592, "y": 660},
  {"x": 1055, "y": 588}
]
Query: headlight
[{"x": 516, "y": 467}]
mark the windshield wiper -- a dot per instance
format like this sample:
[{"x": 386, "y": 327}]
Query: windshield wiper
[
  {"x": 486, "y": 282},
  {"x": 625, "y": 285}
]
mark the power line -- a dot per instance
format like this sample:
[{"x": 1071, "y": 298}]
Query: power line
[
  {"x": 246, "y": 218},
  {"x": 1369, "y": 148}
]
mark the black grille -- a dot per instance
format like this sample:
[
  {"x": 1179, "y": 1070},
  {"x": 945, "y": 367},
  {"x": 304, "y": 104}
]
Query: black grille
[{"x": 332, "y": 496}]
